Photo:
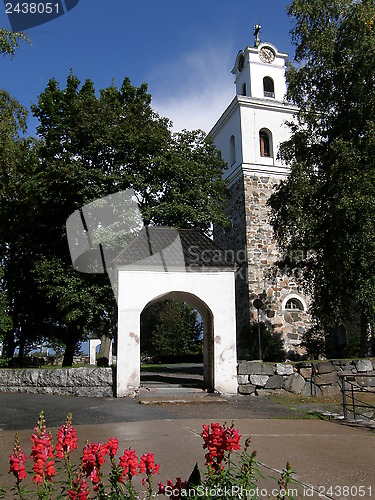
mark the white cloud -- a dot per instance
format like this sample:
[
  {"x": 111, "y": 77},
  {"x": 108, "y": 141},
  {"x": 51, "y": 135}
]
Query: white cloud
[{"x": 195, "y": 91}]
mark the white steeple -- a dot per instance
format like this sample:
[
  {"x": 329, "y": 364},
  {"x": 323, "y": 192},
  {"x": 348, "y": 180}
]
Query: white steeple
[
  {"x": 251, "y": 129},
  {"x": 260, "y": 72}
]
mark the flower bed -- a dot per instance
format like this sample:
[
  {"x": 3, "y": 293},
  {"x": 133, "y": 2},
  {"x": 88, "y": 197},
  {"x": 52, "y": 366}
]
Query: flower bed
[{"x": 227, "y": 474}]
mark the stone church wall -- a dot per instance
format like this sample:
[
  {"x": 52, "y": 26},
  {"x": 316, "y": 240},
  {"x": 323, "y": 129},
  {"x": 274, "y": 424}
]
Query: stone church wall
[
  {"x": 251, "y": 240},
  {"x": 309, "y": 378},
  {"x": 233, "y": 239}
]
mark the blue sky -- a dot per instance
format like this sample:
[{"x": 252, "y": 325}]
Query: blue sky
[{"x": 183, "y": 49}]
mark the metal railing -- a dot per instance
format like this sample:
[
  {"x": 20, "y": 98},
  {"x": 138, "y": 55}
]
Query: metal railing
[{"x": 353, "y": 392}]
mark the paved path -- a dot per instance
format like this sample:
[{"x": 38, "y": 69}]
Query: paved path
[
  {"x": 323, "y": 454},
  {"x": 20, "y": 411}
]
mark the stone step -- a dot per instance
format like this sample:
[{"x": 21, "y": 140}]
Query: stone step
[
  {"x": 176, "y": 395},
  {"x": 170, "y": 388}
]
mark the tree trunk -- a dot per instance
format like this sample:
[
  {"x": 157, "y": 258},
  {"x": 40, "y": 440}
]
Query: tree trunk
[
  {"x": 105, "y": 345},
  {"x": 9, "y": 345},
  {"x": 372, "y": 339},
  {"x": 106, "y": 342},
  {"x": 69, "y": 352},
  {"x": 21, "y": 352},
  {"x": 364, "y": 340}
]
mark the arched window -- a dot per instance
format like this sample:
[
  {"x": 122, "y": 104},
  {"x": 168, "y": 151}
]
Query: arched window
[
  {"x": 294, "y": 305},
  {"x": 265, "y": 140},
  {"x": 268, "y": 87},
  {"x": 244, "y": 89},
  {"x": 232, "y": 150}
]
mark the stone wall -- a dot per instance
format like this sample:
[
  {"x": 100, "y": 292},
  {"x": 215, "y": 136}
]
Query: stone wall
[
  {"x": 97, "y": 382},
  {"x": 233, "y": 239},
  {"x": 81, "y": 359},
  {"x": 306, "y": 378},
  {"x": 251, "y": 240},
  {"x": 264, "y": 278}
]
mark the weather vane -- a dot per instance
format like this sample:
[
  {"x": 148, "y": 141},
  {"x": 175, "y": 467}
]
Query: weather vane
[{"x": 257, "y": 29}]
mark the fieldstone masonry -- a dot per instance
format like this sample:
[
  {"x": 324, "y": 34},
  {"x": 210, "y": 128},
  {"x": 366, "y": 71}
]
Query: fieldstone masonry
[
  {"x": 309, "y": 378},
  {"x": 97, "y": 382},
  {"x": 251, "y": 240}
]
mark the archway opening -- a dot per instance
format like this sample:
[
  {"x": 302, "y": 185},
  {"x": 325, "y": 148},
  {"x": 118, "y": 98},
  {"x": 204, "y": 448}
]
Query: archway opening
[{"x": 177, "y": 343}]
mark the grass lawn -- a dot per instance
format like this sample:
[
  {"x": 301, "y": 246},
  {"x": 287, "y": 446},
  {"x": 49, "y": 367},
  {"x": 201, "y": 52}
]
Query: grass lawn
[
  {"x": 313, "y": 407},
  {"x": 309, "y": 407}
]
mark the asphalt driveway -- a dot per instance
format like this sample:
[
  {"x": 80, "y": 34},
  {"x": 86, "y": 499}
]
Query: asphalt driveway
[{"x": 20, "y": 411}]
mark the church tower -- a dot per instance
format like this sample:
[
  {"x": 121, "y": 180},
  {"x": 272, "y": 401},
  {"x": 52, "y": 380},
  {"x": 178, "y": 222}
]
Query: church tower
[{"x": 249, "y": 134}]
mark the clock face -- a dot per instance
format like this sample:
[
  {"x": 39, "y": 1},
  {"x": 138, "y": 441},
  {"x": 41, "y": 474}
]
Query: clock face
[{"x": 266, "y": 54}]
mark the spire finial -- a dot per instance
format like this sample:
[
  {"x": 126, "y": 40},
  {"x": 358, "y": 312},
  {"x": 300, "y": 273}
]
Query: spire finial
[{"x": 257, "y": 29}]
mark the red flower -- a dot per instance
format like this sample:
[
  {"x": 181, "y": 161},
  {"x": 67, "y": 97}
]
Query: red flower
[
  {"x": 218, "y": 440},
  {"x": 17, "y": 461},
  {"x": 80, "y": 489},
  {"x": 175, "y": 490},
  {"x": 129, "y": 464},
  {"x": 49, "y": 470},
  {"x": 112, "y": 447},
  {"x": 147, "y": 464},
  {"x": 92, "y": 460},
  {"x": 66, "y": 438}
]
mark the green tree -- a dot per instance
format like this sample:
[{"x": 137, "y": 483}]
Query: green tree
[
  {"x": 17, "y": 285},
  {"x": 10, "y": 41},
  {"x": 14, "y": 160},
  {"x": 171, "y": 328},
  {"x": 5, "y": 317},
  {"x": 323, "y": 214},
  {"x": 93, "y": 145}
]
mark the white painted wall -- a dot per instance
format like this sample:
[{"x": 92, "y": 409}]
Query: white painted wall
[
  {"x": 231, "y": 126},
  {"x": 93, "y": 344},
  {"x": 138, "y": 288},
  {"x": 244, "y": 118},
  {"x": 255, "y": 117}
]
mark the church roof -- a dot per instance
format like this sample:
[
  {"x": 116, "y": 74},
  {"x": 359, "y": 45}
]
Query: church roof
[{"x": 164, "y": 248}]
